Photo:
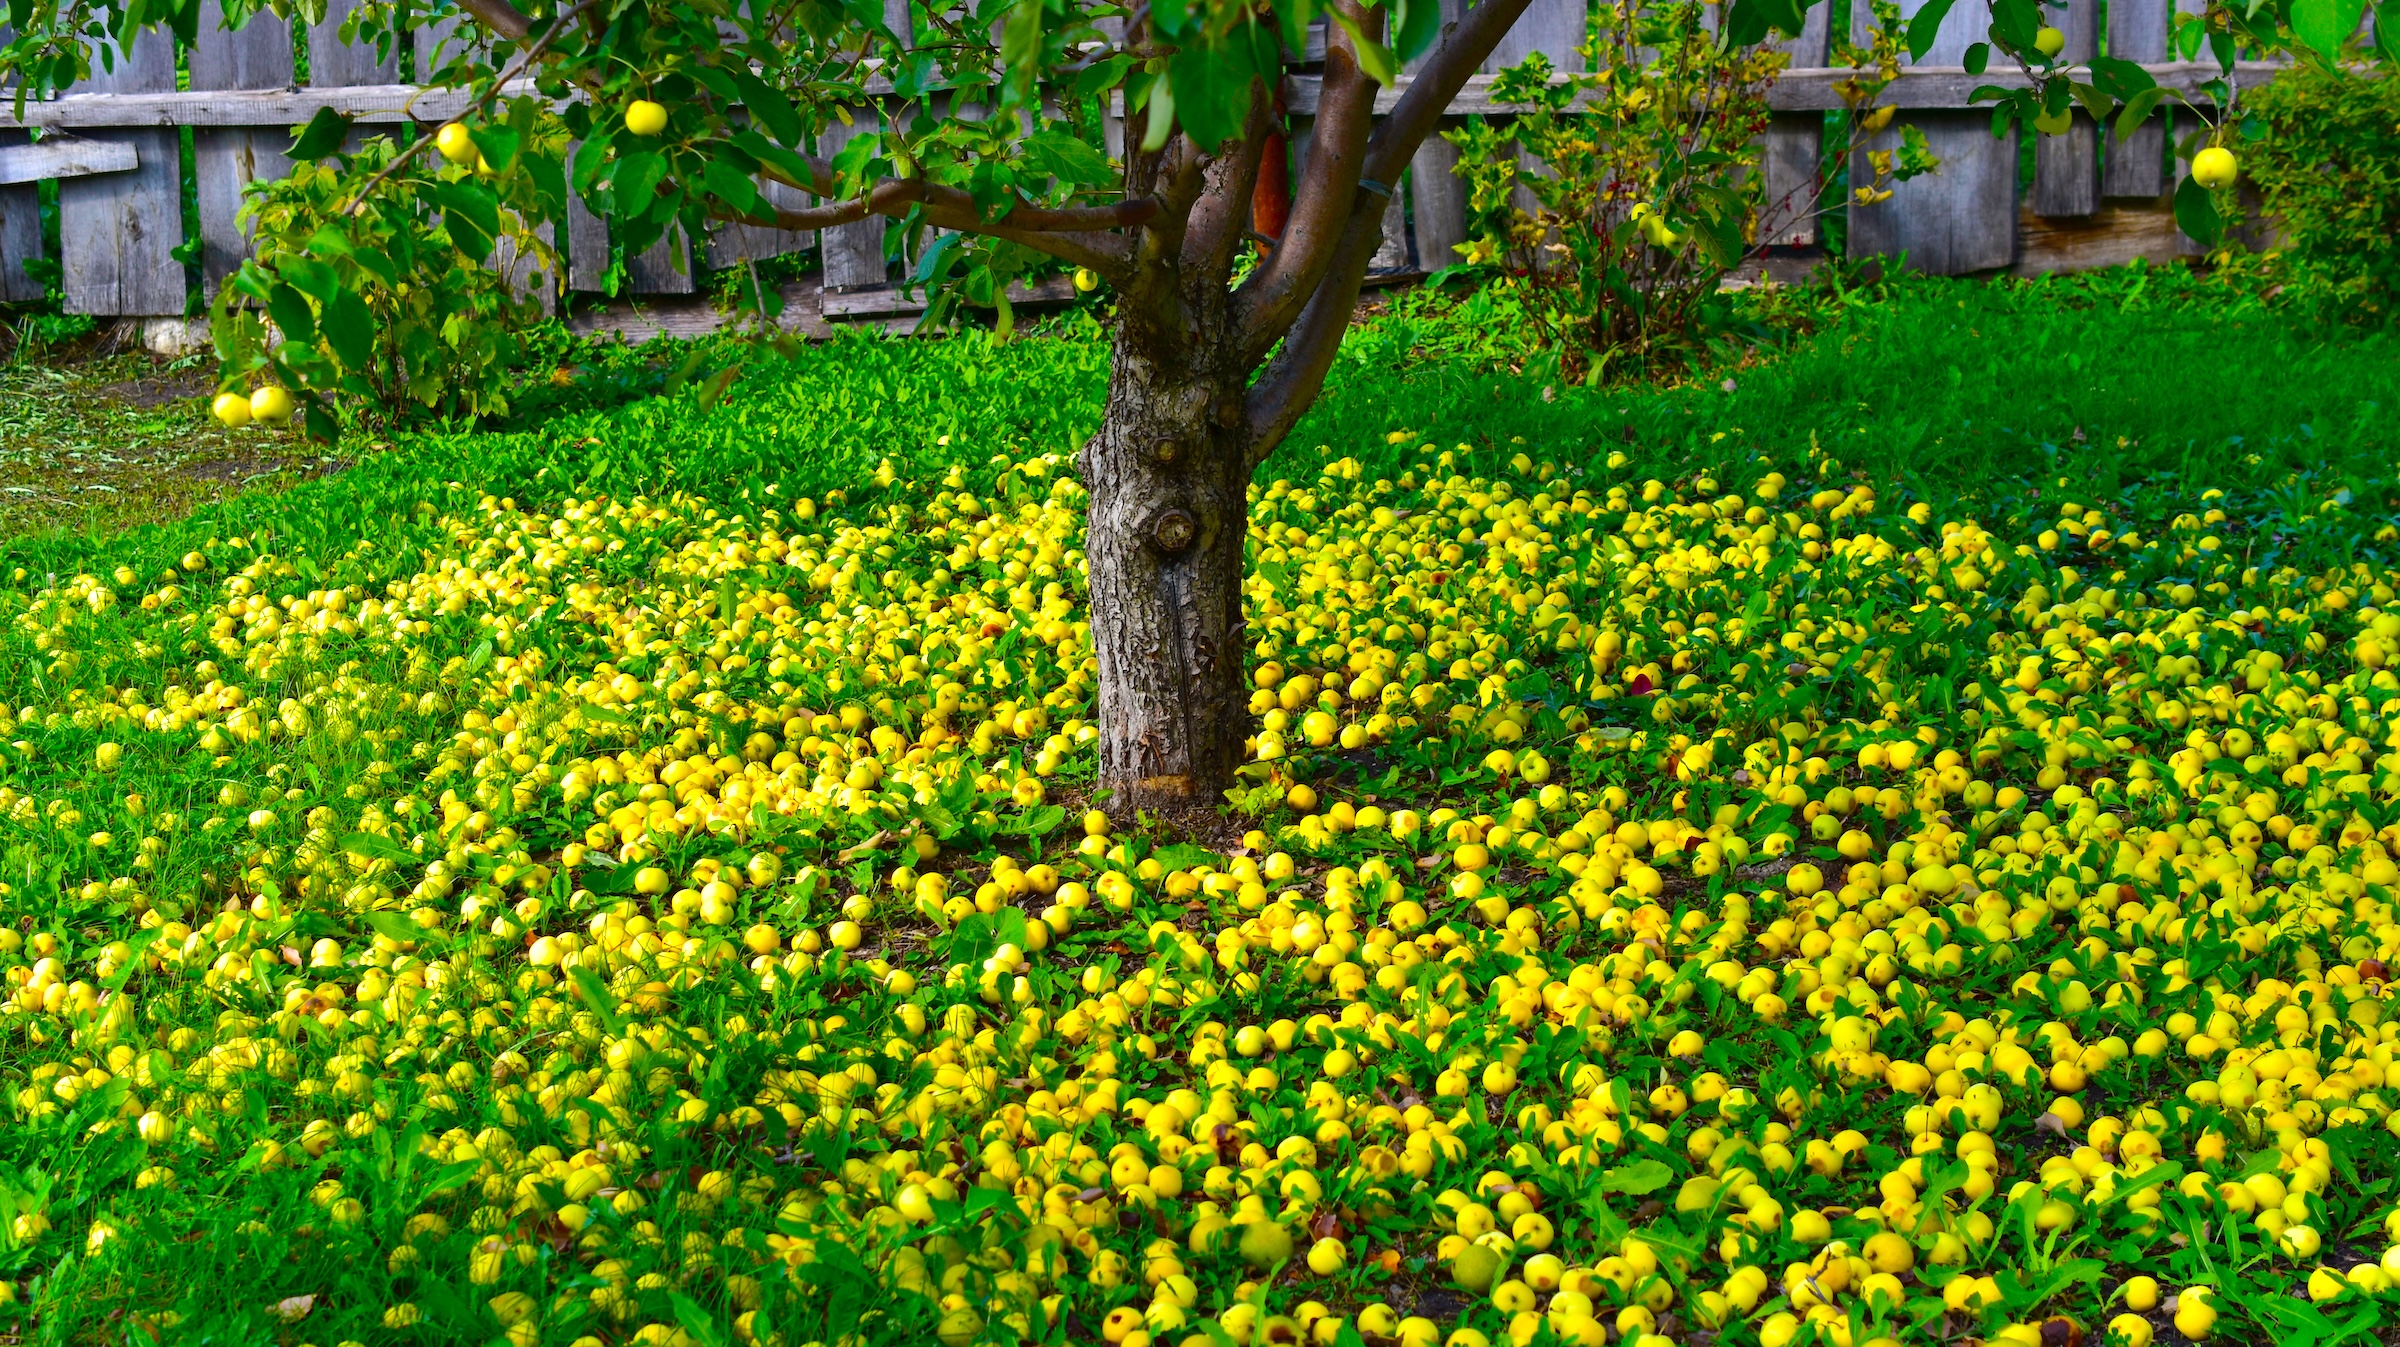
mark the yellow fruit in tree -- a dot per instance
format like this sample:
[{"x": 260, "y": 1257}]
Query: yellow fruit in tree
[
  {"x": 645, "y": 118},
  {"x": 1086, "y": 280},
  {"x": 2055, "y": 123},
  {"x": 233, "y": 409},
  {"x": 271, "y": 404},
  {"x": 2215, "y": 167},
  {"x": 2050, "y": 42},
  {"x": 456, "y": 143}
]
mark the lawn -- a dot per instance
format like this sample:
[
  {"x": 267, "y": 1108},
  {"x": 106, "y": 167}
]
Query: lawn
[{"x": 1891, "y": 839}]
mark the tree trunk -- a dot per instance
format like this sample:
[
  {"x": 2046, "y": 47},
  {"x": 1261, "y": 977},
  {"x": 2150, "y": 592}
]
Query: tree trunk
[{"x": 1169, "y": 472}]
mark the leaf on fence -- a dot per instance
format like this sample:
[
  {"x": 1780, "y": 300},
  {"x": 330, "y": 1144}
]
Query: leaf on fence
[
  {"x": 2136, "y": 108},
  {"x": 470, "y": 214},
  {"x": 1064, "y": 156},
  {"x": 1925, "y": 25},
  {"x": 498, "y": 145},
  {"x": 2120, "y": 79},
  {"x": 291, "y": 313},
  {"x": 2196, "y": 213},
  {"x": 1747, "y": 26},
  {"x": 2324, "y": 25},
  {"x": 323, "y": 135},
  {"x": 350, "y": 329},
  {"x": 731, "y": 185},
  {"x": 1415, "y": 24}
]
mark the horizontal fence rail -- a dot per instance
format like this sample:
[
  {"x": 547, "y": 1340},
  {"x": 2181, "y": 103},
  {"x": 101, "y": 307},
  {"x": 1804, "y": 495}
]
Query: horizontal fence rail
[{"x": 112, "y": 147}]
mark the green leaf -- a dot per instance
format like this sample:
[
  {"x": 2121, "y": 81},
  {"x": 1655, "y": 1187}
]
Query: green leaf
[
  {"x": 452, "y": 1175},
  {"x": 1415, "y": 24},
  {"x": 2196, "y": 213},
  {"x": 635, "y": 186},
  {"x": 731, "y": 186},
  {"x": 376, "y": 847},
  {"x": 2325, "y": 25},
  {"x": 1979, "y": 58},
  {"x": 498, "y": 145},
  {"x": 2120, "y": 79},
  {"x": 594, "y": 995},
  {"x": 470, "y": 215},
  {"x": 289, "y": 308},
  {"x": 1374, "y": 57},
  {"x": 350, "y": 329},
  {"x": 1638, "y": 1178},
  {"x": 1064, "y": 156},
  {"x": 1750, "y": 21},
  {"x": 323, "y": 135},
  {"x": 393, "y": 926},
  {"x": 2136, "y": 108},
  {"x": 769, "y": 108},
  {"x": 1926, "y": 25}
]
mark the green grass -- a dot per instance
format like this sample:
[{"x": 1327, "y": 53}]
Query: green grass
[
  {"x": 2134, "y": 384},
  {"x": 209, "y": 1232}
]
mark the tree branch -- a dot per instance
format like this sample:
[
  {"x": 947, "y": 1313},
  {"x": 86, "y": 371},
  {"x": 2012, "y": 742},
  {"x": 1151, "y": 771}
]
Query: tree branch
[
  {"x": 500, "y": 16},
  {"x": 1220, "y": 219},
  {"x": 1444, "y": 73},
  {"x": 1292, "y": 380},
  {"x": 1267, "y": 303}
]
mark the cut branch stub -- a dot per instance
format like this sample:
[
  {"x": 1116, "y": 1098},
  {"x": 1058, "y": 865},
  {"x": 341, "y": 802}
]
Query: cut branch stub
[
  {"x": 1167, "y": 452},
  {"x": 1172, "y": 530}
]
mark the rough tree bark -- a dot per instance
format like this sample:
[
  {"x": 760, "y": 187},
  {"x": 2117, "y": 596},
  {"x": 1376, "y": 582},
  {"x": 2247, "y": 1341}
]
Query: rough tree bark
[{"x": 1186, "y": 424}]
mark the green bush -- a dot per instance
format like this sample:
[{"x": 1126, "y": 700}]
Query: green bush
[
  {"x": 2327, "y": 162},
  {"x": 1613, "y": 206}
]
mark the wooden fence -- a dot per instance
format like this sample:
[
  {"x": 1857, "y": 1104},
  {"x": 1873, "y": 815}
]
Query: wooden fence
[{"x": 113, "y": 147}]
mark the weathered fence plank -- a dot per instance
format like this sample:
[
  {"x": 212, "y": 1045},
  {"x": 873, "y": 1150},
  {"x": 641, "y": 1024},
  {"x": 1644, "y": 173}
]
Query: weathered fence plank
[
  {"x": 853, "y": 253},
  {"x": 1555, "y": 28},
  {"x": 1963, "y": 218},
  {"x": 333, "y": 63},
  {"x": 20, "y": 229},
  {"x": 227, "y": 159},
  {"x": 1437, "y": 196},
  {"x": 63, "y": 157},
  {"x": 118, "y": 231},
  {"x": 2066, "y": 168},
  {"x": 2137, "y": 165},
  {"x": 1793, "y": 147}
]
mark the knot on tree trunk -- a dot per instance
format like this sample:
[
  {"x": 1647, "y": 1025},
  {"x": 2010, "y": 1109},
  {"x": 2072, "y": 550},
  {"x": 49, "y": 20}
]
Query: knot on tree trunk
[{"x": 1173, "y": 529}]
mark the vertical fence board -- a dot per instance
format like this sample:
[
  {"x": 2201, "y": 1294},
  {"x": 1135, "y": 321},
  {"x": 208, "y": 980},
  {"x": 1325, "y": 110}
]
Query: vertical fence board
[
  {"x": 443, "y": 34},
  {"x": 20, "y": 224},
  {"x": 20, "y": 234},
  {"x": 1794, "y": 146},
  {"x": 587, "y": 239},
  {"x": 1554, "y": 28},
  {"x": 2136, "y": 166},
  {"x": 335, "y": 64},
  {"x": 853, "y": 253},
  {"x": 1437, "y": 197},
  {"x": 732, "y": 244},
  {"x": 663, "y": 268},
  {"x": 118, "y": 231},
  {"x": 2066, "y": 168},
  {"x": 1964, "y": 217},
  {"x": 227, "y": 159}
]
